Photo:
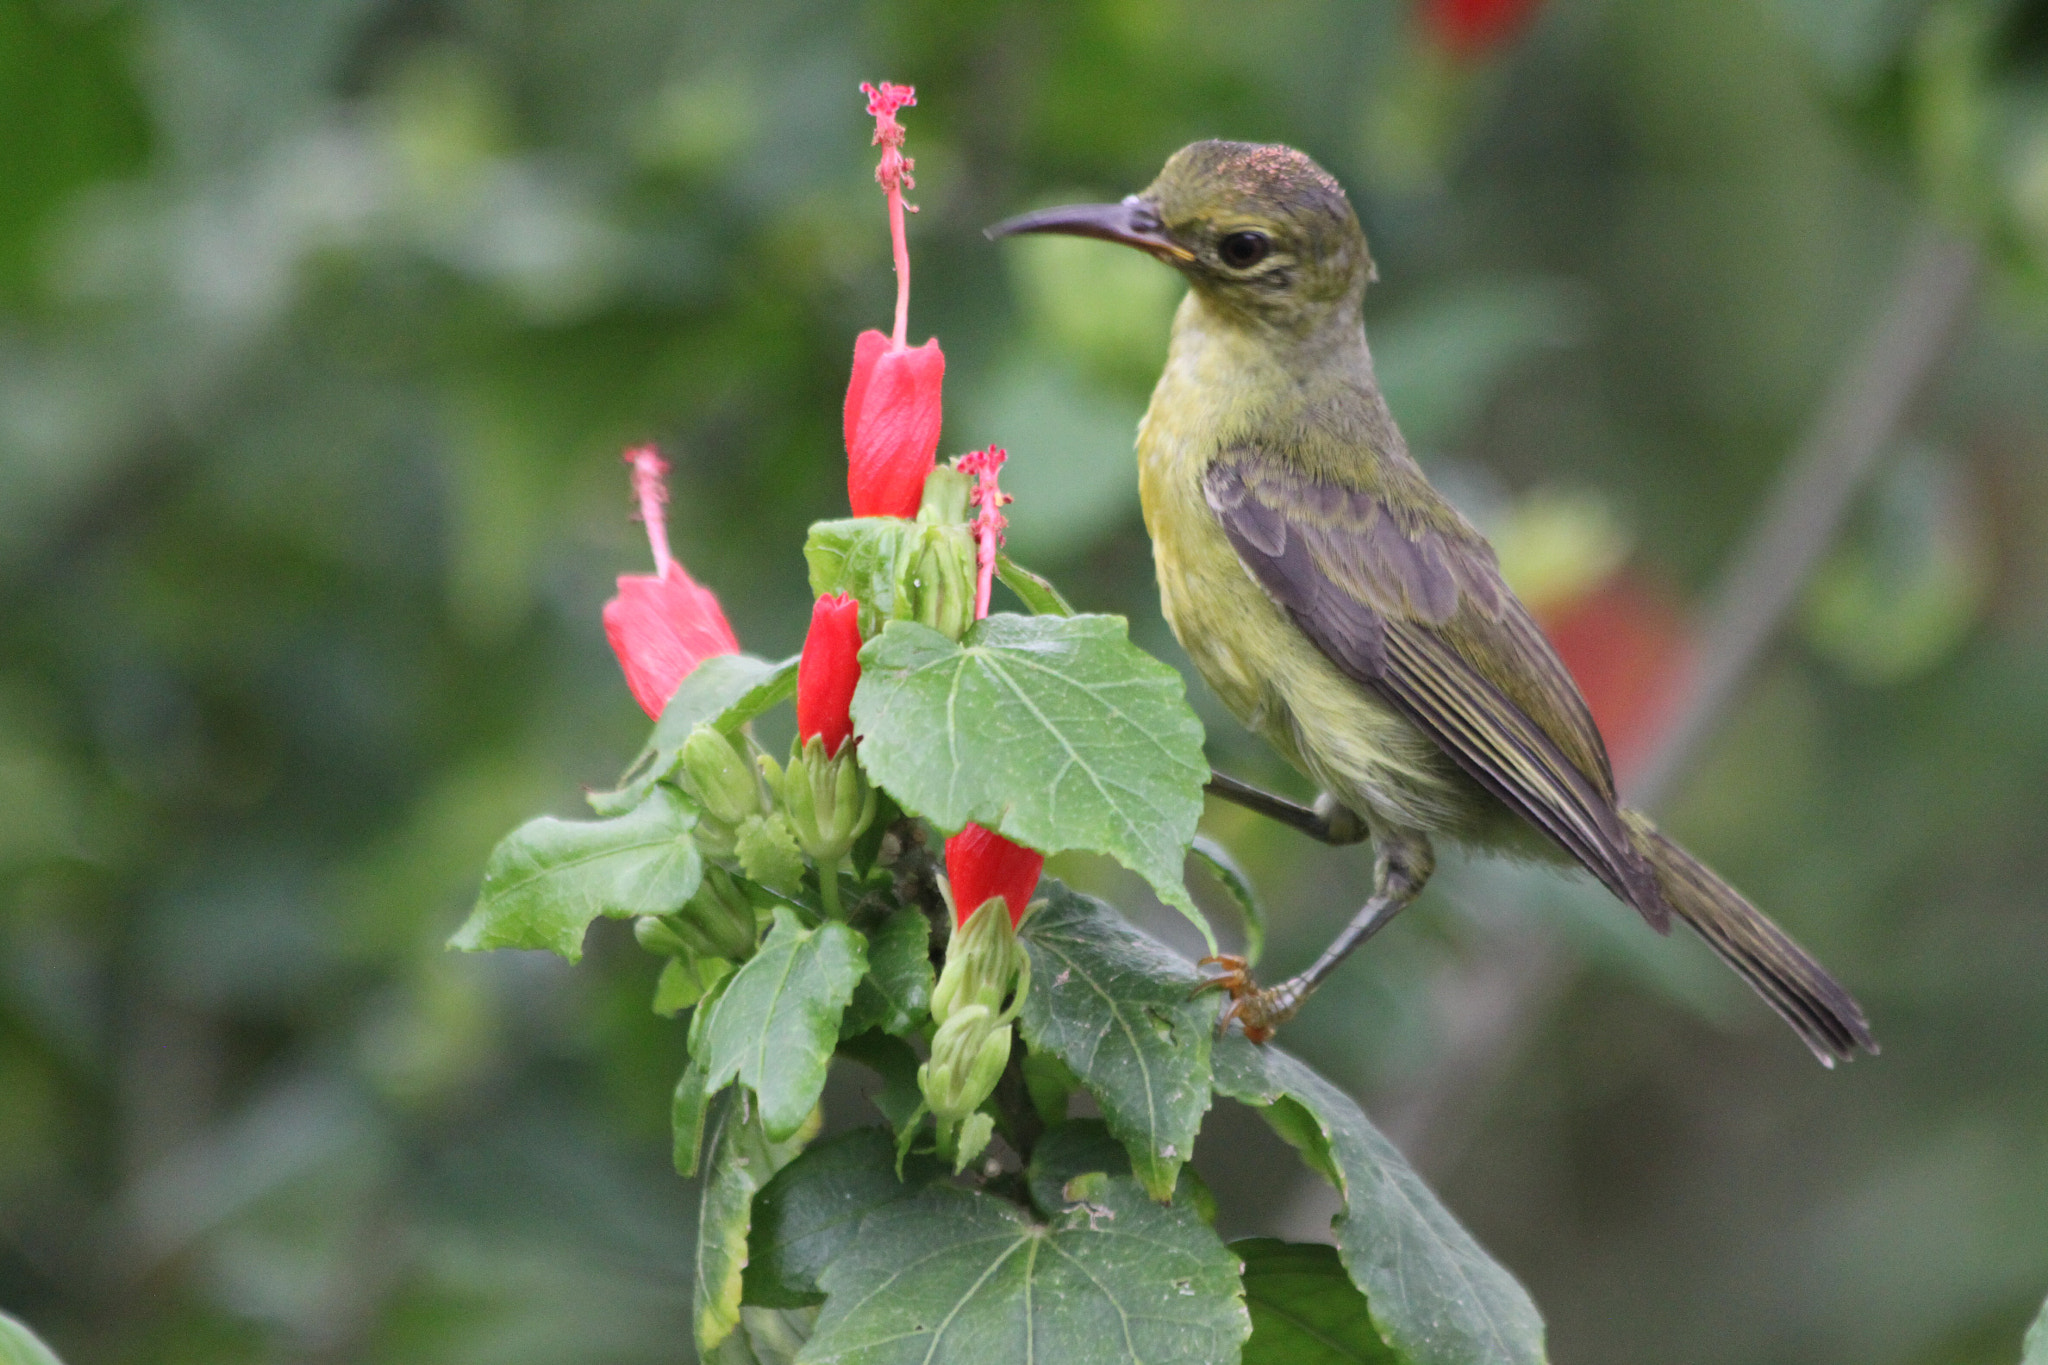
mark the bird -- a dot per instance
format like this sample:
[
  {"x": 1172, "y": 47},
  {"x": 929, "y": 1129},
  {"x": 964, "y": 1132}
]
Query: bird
[{"x": 1348, "y": 614}]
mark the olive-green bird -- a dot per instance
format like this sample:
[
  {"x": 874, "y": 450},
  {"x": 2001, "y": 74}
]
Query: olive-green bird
[{"x": 1347, "y": 613}]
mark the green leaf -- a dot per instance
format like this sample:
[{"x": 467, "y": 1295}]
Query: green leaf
[
  {"x": 773, "y": 1026},
  {"x": 897, "y": 991},
  {"x": 741, "y": 1160},
  {"x": 1435, "y": 1295},
  {"x": 858, "y": 556},
  {"x": 1235, "y": 880},
  {"x": 549, "y": 878},
  {"x": 954, "y": 1277},
  {"x": 19, "y": 1346},
  {"x": 1121, "y": 1012},
  {"x": 2037, "y": 1340},
  {"x": 1305, "y": 1310},
  {"x": 1035, "y": 591},
  {"x": 686, "y": 980},
  {"x": 686, "y": 1118},
  {"x": 727, "y": 690},
  {"x": 806, "y": 1217},
  {"x": 1055, "y": 731},
  {"x": 898, "y": 1099}
]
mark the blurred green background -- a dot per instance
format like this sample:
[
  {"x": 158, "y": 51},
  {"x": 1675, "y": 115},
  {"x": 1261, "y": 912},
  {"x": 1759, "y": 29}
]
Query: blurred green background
[{"x": 322, "y": 324}]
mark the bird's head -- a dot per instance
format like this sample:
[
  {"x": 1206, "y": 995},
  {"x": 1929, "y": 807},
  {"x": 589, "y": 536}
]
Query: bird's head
[{"x": 1261, "y": 231}]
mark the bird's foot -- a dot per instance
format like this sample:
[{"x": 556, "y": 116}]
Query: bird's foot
[{"x": 1258, "y": 1010}]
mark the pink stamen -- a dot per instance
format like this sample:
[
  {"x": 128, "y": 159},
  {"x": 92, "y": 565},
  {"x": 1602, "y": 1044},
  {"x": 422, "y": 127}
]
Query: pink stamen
[
  {"x": 648, "y": 471},
  {"x": 894, "y": 175},
  {"x": 989, "y": 523}
]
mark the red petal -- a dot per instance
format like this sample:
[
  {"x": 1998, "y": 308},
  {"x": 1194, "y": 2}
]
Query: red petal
[
  {"x": 894, "y": 432},
  {"x": 829, "y": 671},
  {"x": 981, "y": 863},
  {"x": 661, "y": 629},
  {"x": 867, "y": 349}
]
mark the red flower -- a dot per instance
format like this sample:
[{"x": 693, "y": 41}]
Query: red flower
[
  {"x": 661, "y": 625},
  {"x": 828, "y": 672},
  {"x": 892, "y": 424},
  {"x": 1626, "y": 646},
  {"x": 892, "y": 405},
  {"x": 981, "y": 863},
  {"x": 1469, "y": 28}
]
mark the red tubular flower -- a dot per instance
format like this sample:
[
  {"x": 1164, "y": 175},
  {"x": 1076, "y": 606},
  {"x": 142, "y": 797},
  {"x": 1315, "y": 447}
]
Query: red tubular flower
[
  {"x": 1470, "y": 28},
  {"x": 892, "y": 424},
  {"x": 981, "y": 863},
  {"x": 661, "y": 625},
  {"x": 828, "y": 672},
  {"x": 1626, "y": 646},
  {"x": 892, "y": 405}
]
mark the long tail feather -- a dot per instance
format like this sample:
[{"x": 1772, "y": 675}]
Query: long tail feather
[{"x": 1824, "y": 1015}]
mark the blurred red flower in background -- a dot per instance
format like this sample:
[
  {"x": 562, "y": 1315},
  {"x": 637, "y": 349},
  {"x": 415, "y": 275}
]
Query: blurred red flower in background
[
  {"x": 661, "y": 625},
  {"x": 1471, "y": 28}
]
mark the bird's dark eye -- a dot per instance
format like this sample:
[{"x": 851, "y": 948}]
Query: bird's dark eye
[{"x": 1241, "y": 250}]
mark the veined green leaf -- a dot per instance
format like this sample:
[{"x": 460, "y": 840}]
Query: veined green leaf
[
  {"x": 773, "y": 1025},
  {"x": 807, "y": 1216},
  {"x": 1121, "y": 1012},
  {"x": 897, "y": 990},
  {"x": 858, "y": 556},
  {"x": 1435, "y": 1295},
  {"x": 954, "y": 1277},
  {"x": 726, "y": 690},
  {"x": 548, "y": 879},
  {"x": 1305, "y": 1310},
  {"x": 1056, "y": 732},
  {"x": 740, "y": 1161}
]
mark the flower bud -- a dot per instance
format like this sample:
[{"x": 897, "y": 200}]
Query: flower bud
[
  {"x": 829, "y": 671},
  {"x": 985, "y": 964},
  {"x": 981, "y": 863},
  {"x": 938, "y": 584},
  {"x": 892, "y": 417},
  {"x": 969, "y": 1052},
  {"x": 947, "y": 494},
  {"x": 718, "y": 777},
  {"x": 829, "y": 801},
  {"x": 723, "y": 915},
  {"x": 657, "y": 936}
]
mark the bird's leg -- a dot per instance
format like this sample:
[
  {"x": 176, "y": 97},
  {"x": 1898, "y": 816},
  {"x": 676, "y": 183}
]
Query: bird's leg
[
  {"x": 1326, "y": 821},
  {"x": 1399, "y": 873}
]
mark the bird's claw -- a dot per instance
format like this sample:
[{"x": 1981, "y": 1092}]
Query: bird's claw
[{"x": 1257, "y": 1011}]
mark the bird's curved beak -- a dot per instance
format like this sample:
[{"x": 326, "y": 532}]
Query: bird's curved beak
[{"x": 1134, "y": 222}]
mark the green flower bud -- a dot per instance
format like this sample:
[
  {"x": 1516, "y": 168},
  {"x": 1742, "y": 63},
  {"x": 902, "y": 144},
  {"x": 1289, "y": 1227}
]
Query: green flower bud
[
  {"x": 723, "y": 915},
  {"x": 768, "y": 853},
  {"x": 829, "y": 801},
  {"x": 984, "y": 964},
  {"x": 937, "y": 585},
  {"x": 718, "y": 777},
  {"x": 947, "y": 493},
  {"x": 969, "y": 1053},
  {"x": 655, "y": 935}
]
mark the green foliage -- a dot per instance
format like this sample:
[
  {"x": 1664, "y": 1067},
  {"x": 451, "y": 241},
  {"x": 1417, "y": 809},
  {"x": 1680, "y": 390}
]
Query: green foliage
[
  {"x": 741, "y": 1159},
  {"x": 1054, "y": 731},
  {"x": 550, "y": 878},
  {"x": 1305, "y": 1310},
  {"x": 773, "y": 1025},
  {"x": 727, "y": 690},
  {"x": 954, "y": 1275},
  {"x": 2036, "y": 1349},
  {"x": 1123, "y": 1016},
  {"x": 897, "y": 991},
  {"x": 1436, "y": 1297},
  {"x": 19, "y": 1346}
]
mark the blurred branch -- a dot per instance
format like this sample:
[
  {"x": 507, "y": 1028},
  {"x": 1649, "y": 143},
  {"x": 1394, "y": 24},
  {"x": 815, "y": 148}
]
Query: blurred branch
[{"x": 1514, "y": 978}]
